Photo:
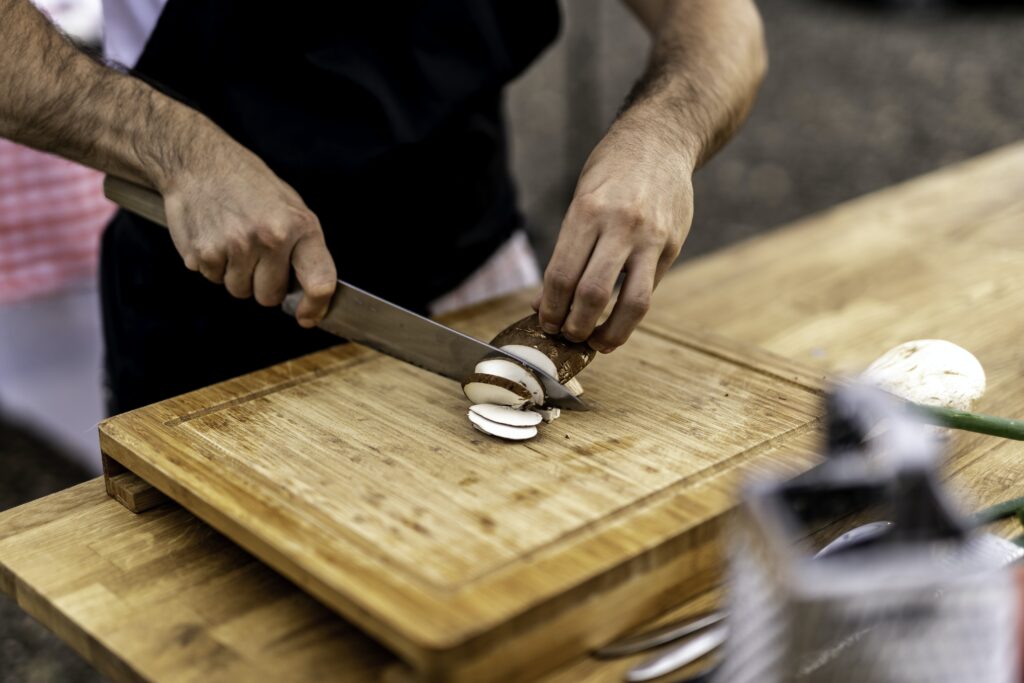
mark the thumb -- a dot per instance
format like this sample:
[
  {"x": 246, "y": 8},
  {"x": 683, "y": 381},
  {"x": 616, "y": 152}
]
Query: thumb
[{"x": 317, "y": 276}]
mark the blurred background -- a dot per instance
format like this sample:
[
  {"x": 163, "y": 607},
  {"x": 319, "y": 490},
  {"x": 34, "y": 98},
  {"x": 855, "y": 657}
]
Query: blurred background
[{"x": 860, "y": 95}]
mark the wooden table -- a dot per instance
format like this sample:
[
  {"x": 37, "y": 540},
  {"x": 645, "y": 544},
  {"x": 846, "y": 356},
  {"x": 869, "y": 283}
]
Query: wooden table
[{"x": 161, "y": 596}]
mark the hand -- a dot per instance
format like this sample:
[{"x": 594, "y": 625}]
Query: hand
[
  {"x": 238, "y": 224},
  {"x": 631, "y": 212}
]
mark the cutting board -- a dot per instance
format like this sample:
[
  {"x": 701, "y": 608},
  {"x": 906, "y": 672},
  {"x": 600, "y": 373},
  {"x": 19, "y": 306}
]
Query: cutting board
[{"x": 360, "y": 478}]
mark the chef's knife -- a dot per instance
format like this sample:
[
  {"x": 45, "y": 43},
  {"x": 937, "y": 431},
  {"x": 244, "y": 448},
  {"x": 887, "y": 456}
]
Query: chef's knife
[{"x": 359, "y": 316}]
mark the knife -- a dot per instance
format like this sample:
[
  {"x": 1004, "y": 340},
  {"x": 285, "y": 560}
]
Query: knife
[{"x": 359, "y": 316}]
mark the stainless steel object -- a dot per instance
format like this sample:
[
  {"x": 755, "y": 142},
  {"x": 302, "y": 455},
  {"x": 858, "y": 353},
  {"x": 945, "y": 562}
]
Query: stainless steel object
[
  {"x": 664, "y": 635},
  {"x": 671, "y": 632},
  {"x": 928, "y": 601},
  {"x": 359, "y": 316},
  {"x": 677, "y": 657}
]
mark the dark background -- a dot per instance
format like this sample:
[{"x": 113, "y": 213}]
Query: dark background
[{"x": 859, "y": 96}]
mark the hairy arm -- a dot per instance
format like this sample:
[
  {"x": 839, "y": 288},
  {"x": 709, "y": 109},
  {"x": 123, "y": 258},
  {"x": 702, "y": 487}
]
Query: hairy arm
[
  {"x": 633, "y": 203},
  {"x": 706, "y": 63},
  {"x": 230, "y": 217}
]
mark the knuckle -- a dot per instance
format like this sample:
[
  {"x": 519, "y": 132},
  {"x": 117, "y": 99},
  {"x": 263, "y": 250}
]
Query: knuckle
[
  {"x": 235, "y": 243},
  {"x": 237, "y": 290},
  {"x": 638, "y": 304},
  {"x": 558, "y": 281},
  {"x": 589, "y": 207},
  {"x": 615, "y": 339},
  {"x": 305, "y": 222},
  {"x": 630, "y": 216},
  {"x": 208, "y": 256},
  {"x": 272, "y": 236},
  {"x": 654, "y": 236},
  {"x": 573, "y": 331},
  {"x": 270, "y": 298},
  {"x": 593, "y": 294},
  {"x": 668, "y": 257}
]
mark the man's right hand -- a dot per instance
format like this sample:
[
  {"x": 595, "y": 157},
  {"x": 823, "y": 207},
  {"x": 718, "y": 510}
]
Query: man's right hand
[
  {"x": 230, "y": 217},
  {"x": 237, "y": 223}
]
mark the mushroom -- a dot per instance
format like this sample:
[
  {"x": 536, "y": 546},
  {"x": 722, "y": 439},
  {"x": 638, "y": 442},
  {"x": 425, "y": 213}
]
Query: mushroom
[
  {"x": 506, "y": 415},
  {"x": 562, "y": 358},
  {"x": 500, "y": 430},
  {"x": 502, "y": 384},
  {"x": 930, "y": 372},
  {"x": 496, "y": 390}
]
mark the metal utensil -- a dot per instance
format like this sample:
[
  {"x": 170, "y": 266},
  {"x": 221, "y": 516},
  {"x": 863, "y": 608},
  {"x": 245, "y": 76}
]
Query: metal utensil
[
  {"x": 359, "y": 316},
  {"x": 663, "y": 635},
  {"x": 677, "y": 657}
]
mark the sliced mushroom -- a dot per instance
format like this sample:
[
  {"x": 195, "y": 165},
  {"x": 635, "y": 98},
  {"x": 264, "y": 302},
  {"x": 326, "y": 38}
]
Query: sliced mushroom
[
  {"x": 547, "y": 414},
  {"x": 574, "y": 387},
  {"x": 497, "y": 390},
  {"x": 514, "y": 372},
  {"x": 507, "y": 415},
  {"x": 501, "y": 431},
  {"x": 568, "y": 358},
  {"x": 533, "y": 356}
]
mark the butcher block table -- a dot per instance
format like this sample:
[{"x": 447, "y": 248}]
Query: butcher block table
[{"x": 161, "y": 596}]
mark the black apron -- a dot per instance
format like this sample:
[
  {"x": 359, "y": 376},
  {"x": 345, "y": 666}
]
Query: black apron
[{"x": 384, "y": 116}]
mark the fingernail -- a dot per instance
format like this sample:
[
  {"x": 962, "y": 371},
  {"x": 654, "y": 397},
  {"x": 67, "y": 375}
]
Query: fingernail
[{"x": 550, "y": 328}]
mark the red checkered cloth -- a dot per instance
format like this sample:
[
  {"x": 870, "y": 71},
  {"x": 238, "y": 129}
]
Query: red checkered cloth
[{"x": 52, "y": 212}]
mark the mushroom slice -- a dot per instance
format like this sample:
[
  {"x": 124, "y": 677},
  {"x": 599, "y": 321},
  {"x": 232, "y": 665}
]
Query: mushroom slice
[
  {"x": 569, "y": 358},
  {"x": 510, "y": 370},
  {"x": 501, "y": 431},
  {"x": 547, "y": 414},
  {"x": 506, "y": 415},
  {"x": 533, "y": 357},
  {"x": 500, "y": 391},
  {"x": 574, "y": 387}
]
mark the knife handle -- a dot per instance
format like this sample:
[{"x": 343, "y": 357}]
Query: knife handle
[{"x": 136, "y": 198}]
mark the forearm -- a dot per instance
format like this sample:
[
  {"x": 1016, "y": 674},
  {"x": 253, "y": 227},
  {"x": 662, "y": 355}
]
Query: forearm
[
  {"x": 57, "y": 99},
  {"x": 707, "y": 60}
]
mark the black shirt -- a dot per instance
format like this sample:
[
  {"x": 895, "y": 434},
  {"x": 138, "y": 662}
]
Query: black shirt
[{"x": 384, "y": 116}]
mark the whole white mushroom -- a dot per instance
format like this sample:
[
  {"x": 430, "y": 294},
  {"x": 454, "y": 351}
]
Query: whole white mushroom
[{"x": 931, "y": 372}]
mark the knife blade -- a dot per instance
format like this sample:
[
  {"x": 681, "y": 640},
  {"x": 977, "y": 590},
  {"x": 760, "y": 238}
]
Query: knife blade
[
  {"x": 359, "y": 316},
  {"x": 362, "y": 317}
]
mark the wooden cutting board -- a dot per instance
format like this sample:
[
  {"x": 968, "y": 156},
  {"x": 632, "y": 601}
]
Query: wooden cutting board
[{"x": 360, "y": 478}]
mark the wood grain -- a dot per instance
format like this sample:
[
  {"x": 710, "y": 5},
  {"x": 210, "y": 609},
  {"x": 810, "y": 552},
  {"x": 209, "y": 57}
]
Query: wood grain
[
  {"x": 359, "y": 477},
  {"x": 96, "y": 575},
  {"x": 161, "y": 596},
  {"x": 841, "y": 306},
  {"x": 938, "y": 257}
]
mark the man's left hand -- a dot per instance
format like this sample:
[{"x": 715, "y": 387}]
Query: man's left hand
[{"x": 630, "y": 214}]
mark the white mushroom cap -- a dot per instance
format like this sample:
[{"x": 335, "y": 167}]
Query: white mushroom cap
[
  {"x": 501, "y": 430},
  {"x": 514, "y": 372},
  {"x": 930, "y": 372},
  {"x": 507, "y": 415}
]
